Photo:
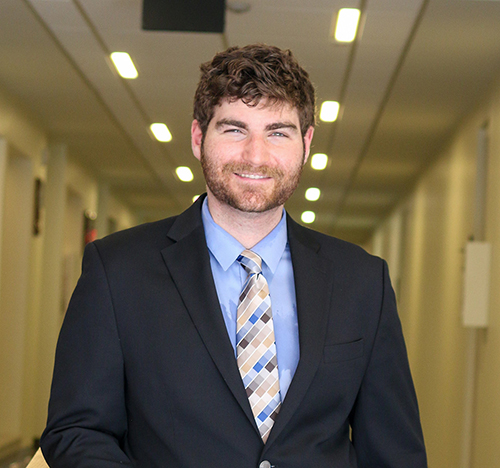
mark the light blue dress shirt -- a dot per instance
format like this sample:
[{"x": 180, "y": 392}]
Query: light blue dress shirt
[{"x": 277, "y": 268}]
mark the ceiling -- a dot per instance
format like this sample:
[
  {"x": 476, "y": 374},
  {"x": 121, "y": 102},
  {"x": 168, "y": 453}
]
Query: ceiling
[{"x": 417, "y": 68}]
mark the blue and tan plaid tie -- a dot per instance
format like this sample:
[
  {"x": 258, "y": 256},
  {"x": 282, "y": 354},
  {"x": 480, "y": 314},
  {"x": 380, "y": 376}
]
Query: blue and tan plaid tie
[{"x": 256, "y": 347}]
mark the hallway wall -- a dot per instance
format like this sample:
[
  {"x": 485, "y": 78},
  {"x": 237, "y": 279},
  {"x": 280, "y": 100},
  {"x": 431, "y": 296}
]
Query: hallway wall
[
  {"x": 436, "y": 221},
  {"x": 37, "y": 270},
  {"x": 14, "y": 274},
  {"x": 486, "y": 448}
]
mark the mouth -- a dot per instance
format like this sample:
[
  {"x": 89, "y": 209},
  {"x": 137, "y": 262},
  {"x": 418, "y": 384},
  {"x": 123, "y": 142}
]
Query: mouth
[{"x": 252, "y": 176}]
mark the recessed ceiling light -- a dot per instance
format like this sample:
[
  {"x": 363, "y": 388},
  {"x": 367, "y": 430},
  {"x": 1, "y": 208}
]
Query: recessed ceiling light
[
  {"x": 184, "y": 174},
  {"x": 313, "y": 193},
  {"x": 319, "y": 161},
  {"x": 329, "y": 111},
  {"x": 124, "y": 65},
  {"x": 195, "y": 198},
  {"x": 347, "y": 24},
  {"x": 308, "y": 217},
  {"x": 161, "y": 132}
]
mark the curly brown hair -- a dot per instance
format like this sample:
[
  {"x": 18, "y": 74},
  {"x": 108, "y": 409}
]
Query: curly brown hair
[{"x": 253, "y": 73}]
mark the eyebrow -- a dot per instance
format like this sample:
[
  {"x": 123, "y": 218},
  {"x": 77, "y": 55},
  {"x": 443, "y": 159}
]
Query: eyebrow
[
  {"x": 238, "y": 123},
  {"x": 230, "y": 122},
  {"x": 279, "y": 125}
]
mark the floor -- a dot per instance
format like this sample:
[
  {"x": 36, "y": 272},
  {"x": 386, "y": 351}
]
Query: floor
[{"x": 18, "y": 460}]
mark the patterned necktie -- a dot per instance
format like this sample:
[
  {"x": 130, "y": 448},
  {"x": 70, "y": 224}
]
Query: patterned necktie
[{"x": 255, "y": 347}]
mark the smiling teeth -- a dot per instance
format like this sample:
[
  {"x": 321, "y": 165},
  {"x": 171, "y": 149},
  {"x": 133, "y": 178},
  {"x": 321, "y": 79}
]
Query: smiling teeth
[{"x": 252, "y": 176}]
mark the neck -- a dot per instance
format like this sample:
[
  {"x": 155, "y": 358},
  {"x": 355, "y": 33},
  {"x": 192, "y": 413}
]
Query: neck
[{"x": 247, "y": 228}]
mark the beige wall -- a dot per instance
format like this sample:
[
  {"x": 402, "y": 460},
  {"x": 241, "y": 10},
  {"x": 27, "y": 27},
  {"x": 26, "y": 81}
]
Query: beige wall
[
  {"x": 36, "y": 272},
  {"x": 437, "y": 219},
  {"x": 487, "y": 433},
  {"x": 15, "y": 247}
]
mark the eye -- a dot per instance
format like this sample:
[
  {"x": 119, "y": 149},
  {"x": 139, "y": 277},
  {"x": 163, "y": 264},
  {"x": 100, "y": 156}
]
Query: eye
[{"x": 279, "y": 134}]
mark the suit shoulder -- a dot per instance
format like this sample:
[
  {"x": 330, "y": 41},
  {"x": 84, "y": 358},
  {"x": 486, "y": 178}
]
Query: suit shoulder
[
  {"x": 334, "y": 248},
  {"x": 339, "y": 245},
  {"x": 148, "y": 235}
]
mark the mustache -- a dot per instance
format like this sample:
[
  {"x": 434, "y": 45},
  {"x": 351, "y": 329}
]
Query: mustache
[{"x": 264, "y": 171}]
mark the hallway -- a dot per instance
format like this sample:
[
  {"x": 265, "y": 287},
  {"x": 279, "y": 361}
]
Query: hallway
[{"x": 412, "y": 174}]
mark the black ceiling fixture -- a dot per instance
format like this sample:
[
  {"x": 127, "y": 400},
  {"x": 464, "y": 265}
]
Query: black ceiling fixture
[{"x": 184, "y": 15}]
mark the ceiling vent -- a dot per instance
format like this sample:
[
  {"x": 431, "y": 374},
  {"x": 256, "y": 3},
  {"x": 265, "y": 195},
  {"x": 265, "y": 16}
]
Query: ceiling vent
[{"x": 184, "y": 15}]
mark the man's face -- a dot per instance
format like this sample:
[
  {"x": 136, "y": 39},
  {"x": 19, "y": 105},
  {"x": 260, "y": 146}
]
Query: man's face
[{"x": 252, "y": 157}]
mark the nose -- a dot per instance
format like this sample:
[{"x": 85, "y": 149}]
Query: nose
[{"x": 255, "y": 151}]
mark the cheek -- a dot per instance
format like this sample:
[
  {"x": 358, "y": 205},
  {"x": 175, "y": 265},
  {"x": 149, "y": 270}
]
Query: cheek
[
  {"x": 291, "y": 158},
  {"x": 220, "y": 153}
]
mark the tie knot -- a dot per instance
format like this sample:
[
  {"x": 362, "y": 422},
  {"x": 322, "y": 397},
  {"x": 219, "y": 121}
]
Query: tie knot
[{"x": 250, "y": 261}]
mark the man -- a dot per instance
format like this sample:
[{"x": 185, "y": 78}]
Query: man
[{"x": 230, "y": 335}]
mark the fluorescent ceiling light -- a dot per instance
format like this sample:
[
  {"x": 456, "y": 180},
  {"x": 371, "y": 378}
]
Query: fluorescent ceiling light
[
  {"x": 124, "y": 65},
  {"x": 184, "y": 174},
  {"x": 308, "y": 217},
  {"x": 161, "y": 132},
  {"x": 313, "y": 194},
  {"x": 329, "y": 111},
  {"x": 347, "y": 24},
  {"x": 319, "y": 161}
]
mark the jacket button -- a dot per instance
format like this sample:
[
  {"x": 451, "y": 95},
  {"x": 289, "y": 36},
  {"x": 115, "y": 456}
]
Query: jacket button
[{"x": 265, "y": 464}]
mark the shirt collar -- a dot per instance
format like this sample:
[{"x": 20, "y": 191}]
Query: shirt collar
[{"x": 225, "y": 248}]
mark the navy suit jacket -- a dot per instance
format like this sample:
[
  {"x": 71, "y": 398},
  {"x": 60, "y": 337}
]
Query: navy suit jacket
[{"x": 145, "y": 374}]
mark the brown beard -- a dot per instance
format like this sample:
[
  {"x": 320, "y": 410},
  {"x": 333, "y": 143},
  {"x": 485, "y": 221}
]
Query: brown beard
[{"x": 250, "y": 200}]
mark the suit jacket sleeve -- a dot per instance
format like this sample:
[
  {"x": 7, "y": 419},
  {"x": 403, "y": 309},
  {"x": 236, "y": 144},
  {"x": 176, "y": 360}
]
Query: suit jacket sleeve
[
  {"x": 87, "y": 419},
  {"x": 385, "y": 421}
]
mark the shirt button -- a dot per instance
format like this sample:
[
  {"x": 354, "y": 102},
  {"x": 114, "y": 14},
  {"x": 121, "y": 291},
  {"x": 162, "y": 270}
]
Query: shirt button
[{"x": 265, "y": 464}]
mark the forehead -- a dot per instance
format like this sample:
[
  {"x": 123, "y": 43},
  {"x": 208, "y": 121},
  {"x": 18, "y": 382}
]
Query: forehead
[{"x": 262, "y": 112}]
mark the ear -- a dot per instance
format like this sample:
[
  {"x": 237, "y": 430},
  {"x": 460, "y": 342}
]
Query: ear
[
  {"x": 307, "y": 142},
  {"x": 196, "y": 139}
]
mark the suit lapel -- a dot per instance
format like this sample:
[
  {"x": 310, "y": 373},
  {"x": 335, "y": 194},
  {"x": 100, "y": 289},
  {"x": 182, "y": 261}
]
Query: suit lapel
[
  {"x": 188, "y": 262},
  {"x": 313, "y": 289}
]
